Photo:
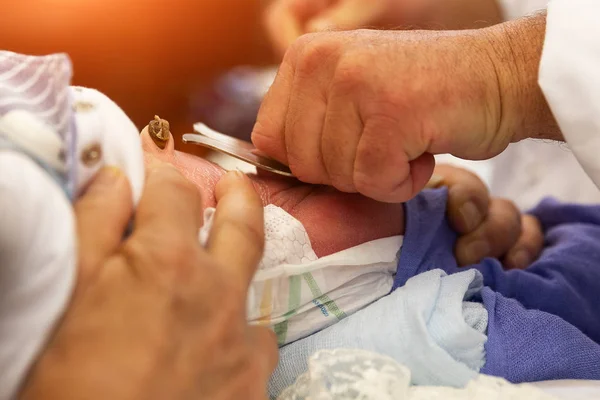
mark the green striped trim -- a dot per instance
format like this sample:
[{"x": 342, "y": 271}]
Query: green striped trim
[
  {"x": 323, "y": 298},
  {"x": 293, "y": 304},
  {"x": 280, "y": 330}
]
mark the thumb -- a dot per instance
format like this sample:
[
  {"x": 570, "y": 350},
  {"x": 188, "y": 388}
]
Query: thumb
[
  {"x": 345, "y": 15},
  {"x": 102, "y": 215}
]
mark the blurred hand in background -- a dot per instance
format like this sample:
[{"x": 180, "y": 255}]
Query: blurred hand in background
[{"x": 286, "y": 20}]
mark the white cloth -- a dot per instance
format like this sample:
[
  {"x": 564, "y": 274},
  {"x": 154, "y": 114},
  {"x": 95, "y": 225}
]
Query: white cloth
[
  {"x": 37, "y": 263},
  {"x": 531, "y": 170},
  {"x": 570, "y": 76},
  {"x": 42, "y": 162},
  {"x": 348, "y": 374},
  {"x": 297, "y": 293},
  {"x": 430, "y": 324}
]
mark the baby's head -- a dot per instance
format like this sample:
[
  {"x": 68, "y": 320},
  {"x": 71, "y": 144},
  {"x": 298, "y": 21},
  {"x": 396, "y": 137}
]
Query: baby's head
[
  {"x": 334, "y": 221},
  {"x": 327, "y": 253}
]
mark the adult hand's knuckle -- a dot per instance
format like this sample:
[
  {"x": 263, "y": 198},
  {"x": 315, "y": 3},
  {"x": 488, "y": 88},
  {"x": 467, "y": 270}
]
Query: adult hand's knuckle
[
  {"x": 309, "y": 62},
  {"x": 316, "y": 51},
  {"x": 349, "y": 77},
  {"x": 181, "y": 253},
  {"x": 135, "y": 250},
  {"x": 173, "y": 261}
]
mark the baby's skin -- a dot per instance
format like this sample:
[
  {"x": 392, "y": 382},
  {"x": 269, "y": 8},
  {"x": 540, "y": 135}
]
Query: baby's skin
[{"x": 334, "y": 221}]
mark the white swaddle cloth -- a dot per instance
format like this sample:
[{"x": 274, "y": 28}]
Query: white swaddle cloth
[
  {"x": 299, "y": 294},
  {"x": 53, "y": 139}
]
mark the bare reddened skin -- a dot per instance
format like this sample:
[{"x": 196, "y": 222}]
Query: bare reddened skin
[{"x": 364, "y": 111}]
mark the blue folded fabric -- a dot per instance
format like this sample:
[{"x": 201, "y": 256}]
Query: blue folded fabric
[
  {"x": 428, "y": 325},
  {"x": 544, "y": 322}
]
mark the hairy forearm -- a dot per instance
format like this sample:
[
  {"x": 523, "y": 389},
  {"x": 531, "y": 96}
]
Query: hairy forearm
[{"x": 516, "y": 48}]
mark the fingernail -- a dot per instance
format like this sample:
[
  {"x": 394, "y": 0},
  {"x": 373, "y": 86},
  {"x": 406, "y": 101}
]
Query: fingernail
[
  {"x": 106, "y": 178},
  {"x": 477, "y": 250},
  {"x": 233, "y": 176},
  {"x": 470, "y": 215},
  {"x": 236, "y": 174},
  {"x": 520, "y": 260},
  {"x": 159, "y": 131},
  {"x": 435, "y": 181}
]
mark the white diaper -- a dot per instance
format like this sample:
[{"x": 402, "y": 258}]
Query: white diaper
[{"x": 298, "y": 293}]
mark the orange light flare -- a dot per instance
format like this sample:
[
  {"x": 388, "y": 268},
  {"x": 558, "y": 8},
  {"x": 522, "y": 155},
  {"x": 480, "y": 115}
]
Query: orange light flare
[{"x": 148, "y": 55}]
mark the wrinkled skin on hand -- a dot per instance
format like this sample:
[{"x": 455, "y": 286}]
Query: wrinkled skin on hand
[
  {"x": 336, "y": 221},
  {"x": 158, "y": 316},
  {"x": 364, "y": 111}
]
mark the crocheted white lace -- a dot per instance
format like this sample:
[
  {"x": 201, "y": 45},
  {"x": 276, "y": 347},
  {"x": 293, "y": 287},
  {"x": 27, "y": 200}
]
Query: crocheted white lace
[{"x": 360, "y": 375}]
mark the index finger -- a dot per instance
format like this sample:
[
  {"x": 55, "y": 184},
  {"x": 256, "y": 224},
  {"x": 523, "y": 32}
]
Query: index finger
[
  {"x": 170, "y": 208},
  {"x": 237, "y": 237},
  {"x": 286, "y": 20},
  {"x": 283, "y": 27}
]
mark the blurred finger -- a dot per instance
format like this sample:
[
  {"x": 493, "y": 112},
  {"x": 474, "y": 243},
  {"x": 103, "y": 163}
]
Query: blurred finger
[
  {"x": 282, "y": 25},
  {"x": 468, "y": 197},
  {"x": 528, "y": 247},
  {"x": 102, "y": 215},
  {"x": 494, "y": 237},
  {"x": 265, "y": 343},
  {"x": 286, "y": 20},
  {"x": 170, "y": 207},
  {"x": 436, "y": 181},
  {"x": 347, "y": 14},
  {"x": 237, "y": 236}
]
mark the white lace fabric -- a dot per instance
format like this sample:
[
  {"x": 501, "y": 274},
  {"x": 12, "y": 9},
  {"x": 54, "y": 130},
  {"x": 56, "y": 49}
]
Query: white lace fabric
[{"x": 346, "y": 374}]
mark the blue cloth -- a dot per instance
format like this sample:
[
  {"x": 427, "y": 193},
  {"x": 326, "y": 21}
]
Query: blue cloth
[
  {"x": 544, "y": 322},
  {"x": 436, "y": 332}
]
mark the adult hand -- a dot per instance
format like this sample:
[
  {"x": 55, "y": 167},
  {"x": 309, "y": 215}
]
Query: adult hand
[
  {"x": 286, "y": 20},
  {"x": 487, "y": 227},
  {"x": 364, "y": 111},
  {"x": 157, "y": 316}
]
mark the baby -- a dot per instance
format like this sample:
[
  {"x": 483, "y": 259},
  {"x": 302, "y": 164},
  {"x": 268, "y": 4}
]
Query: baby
[
  {"x": 332, "y": 261},
  {"x": 327, "y": 254}
]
